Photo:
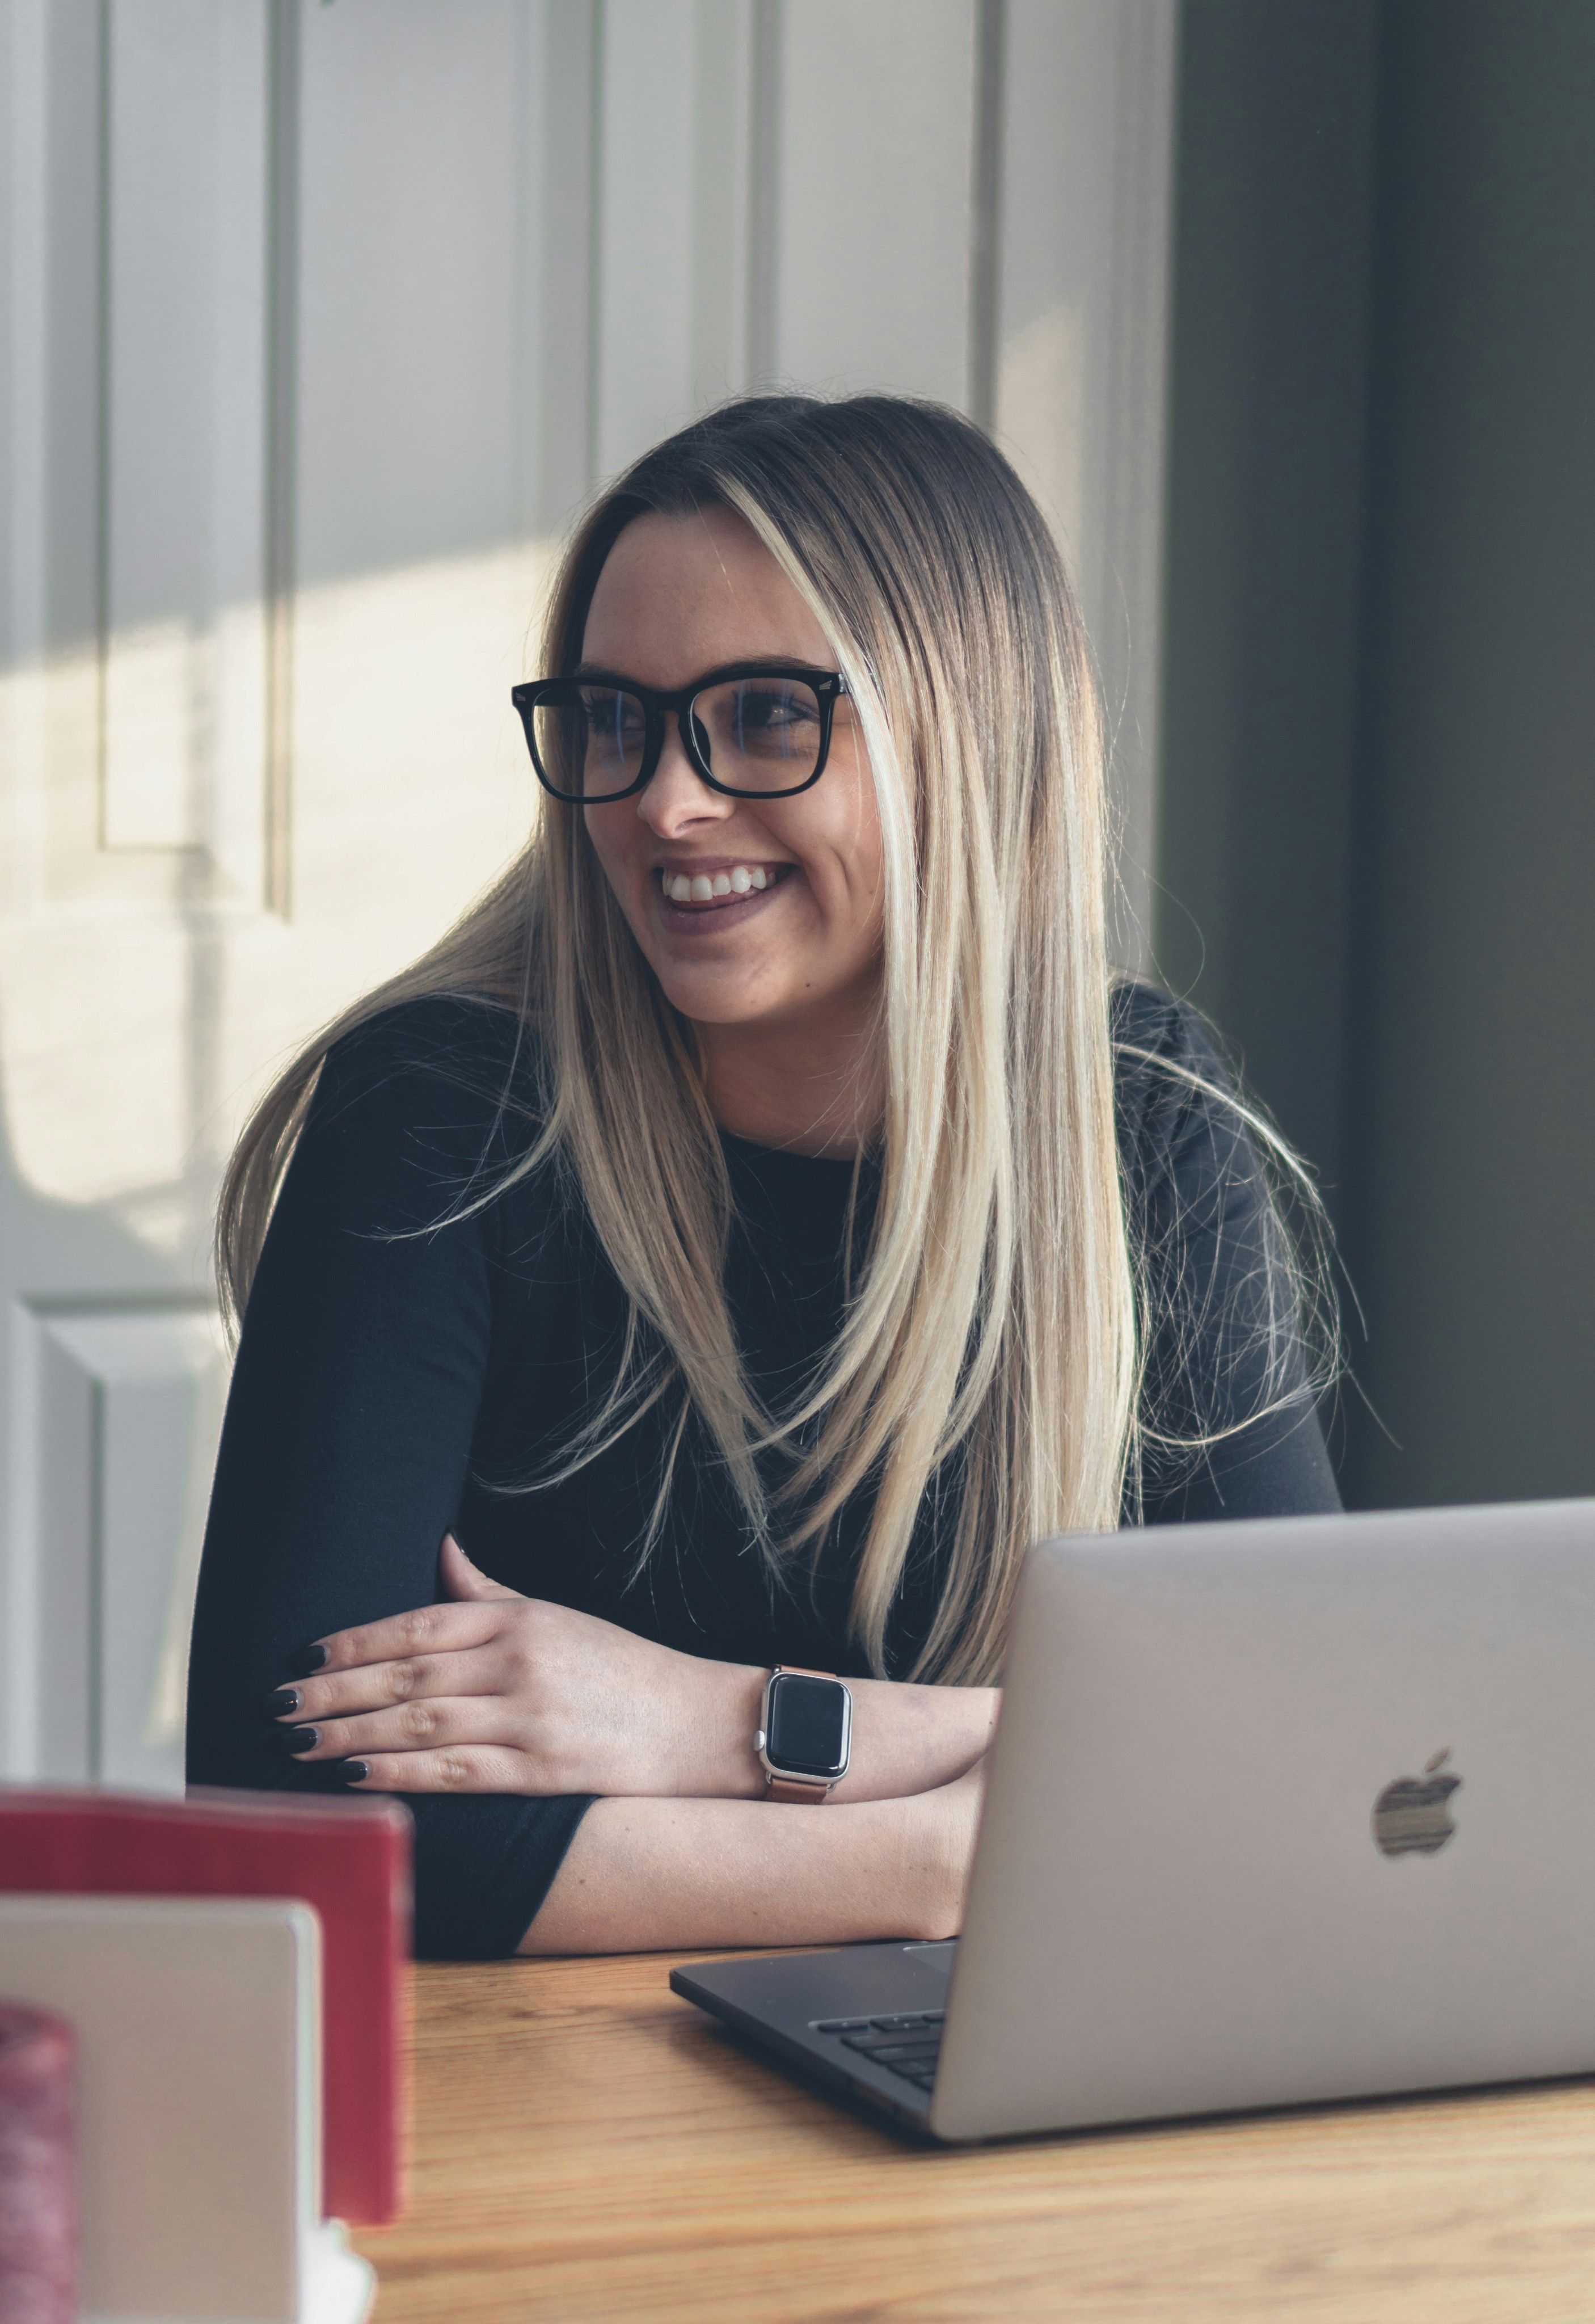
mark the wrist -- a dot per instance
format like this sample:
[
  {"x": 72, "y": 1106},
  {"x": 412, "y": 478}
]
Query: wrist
[
  {"x": 911, "y": 1739},
  {"x": 727, "y": 1762}
]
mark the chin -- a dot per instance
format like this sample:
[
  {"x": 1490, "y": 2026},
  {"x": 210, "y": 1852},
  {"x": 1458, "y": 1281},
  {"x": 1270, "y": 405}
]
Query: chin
[{"x": 704, "y": 1004}]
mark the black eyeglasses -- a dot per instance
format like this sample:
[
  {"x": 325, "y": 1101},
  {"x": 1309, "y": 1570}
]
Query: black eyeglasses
[{"x": 753, "y": 730}]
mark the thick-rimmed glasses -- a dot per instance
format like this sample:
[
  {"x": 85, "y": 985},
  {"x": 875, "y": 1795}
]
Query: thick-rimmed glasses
[{"x": 753, "y": 730}]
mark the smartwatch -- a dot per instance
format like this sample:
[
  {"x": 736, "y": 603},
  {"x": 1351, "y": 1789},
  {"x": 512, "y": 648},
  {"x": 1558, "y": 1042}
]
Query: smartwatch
[{"x": 804, "y": 1743}]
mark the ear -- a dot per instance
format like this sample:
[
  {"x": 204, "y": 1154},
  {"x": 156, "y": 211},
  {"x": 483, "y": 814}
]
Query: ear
[{"x": 461, "y": 1578}]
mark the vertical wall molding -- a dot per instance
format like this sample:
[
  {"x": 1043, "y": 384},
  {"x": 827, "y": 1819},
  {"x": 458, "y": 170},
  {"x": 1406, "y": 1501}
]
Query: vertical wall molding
[
  {"x": 1082, "y": 331},
  {"x": 283, "y": 228},
  {"x": 985, "y": 248},
  {"x": 764, "y": 179},
  {"x": 563, "y": 275},
  {"x": 118, "y": 1411},
  {"x": 594, "y": 241},
  {"x": 188, "y": 562},
  {"x": 1132, "y": 451},
  {"x": 102, "y": 419}
]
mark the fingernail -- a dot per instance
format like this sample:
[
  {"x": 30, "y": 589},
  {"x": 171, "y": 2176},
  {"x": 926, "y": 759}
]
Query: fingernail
[
  {"x": 285, "y": 1699},
  {"x": 301, "y": 1739},
  {"x": 308, "y": 1659},
  {"x": 350, "y": 1771}
]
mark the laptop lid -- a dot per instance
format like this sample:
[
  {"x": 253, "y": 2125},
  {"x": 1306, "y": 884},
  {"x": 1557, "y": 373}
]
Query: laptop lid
[{"x": 1283, "y": 1811}]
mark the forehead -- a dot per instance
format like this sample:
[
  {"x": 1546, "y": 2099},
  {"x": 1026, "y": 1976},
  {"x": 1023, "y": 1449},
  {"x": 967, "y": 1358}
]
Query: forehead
[{"x": 681, "y": 595}]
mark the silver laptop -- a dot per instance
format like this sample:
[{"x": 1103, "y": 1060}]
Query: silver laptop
[{"x": 1278, "y": 1810}]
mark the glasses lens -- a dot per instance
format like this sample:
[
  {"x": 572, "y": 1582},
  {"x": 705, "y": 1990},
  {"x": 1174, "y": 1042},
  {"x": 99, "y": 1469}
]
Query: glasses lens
[
  {"x": 588, "y": 740},
  {"x": 759, "y": 733}
]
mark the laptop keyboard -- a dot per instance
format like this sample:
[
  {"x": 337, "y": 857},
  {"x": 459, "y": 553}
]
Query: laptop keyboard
[{"x": 904, "y": 2045}]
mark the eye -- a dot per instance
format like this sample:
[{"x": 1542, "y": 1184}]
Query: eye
[
  {"x": 609, "y": 712},
  {"x": 772, "y": 709}
]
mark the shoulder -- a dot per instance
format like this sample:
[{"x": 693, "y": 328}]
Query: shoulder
[
  {"x": 483, "y": 1055},
  {"x": 446, "y": 1089},
  {"x": 1171, "y": 1086}
]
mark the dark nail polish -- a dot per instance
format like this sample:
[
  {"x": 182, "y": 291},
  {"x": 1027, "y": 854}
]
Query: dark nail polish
[
  {"x": 301, "y": 1739},
  {"x": 308, "y": 1659},
  {"x": 350, "y": 1771},
  {"x": 282, "y": 1701}
]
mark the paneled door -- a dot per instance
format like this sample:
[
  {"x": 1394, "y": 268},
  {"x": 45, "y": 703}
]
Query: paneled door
[{"x": 320, "y": 318}]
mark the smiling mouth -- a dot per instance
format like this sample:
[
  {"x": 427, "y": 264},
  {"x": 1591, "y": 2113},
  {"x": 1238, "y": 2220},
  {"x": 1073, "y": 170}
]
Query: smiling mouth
[{"x": 709, "y": 892}]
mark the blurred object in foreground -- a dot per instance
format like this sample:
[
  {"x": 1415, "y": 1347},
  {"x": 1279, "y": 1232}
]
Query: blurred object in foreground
[
  {"x": 347, "y": 1859},
  {"x": 198, "y": 2062},
  {"x": 38, "y": 2167}
]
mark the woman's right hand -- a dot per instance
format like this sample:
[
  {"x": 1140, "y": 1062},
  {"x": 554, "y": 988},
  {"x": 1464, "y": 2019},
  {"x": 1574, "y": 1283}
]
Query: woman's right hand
[{"x": 494, "y": 1691}]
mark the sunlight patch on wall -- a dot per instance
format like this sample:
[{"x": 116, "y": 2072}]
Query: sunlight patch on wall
[{"x": 147, "y": 993}]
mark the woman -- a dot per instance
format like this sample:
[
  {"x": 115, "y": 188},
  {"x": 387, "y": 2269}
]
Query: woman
[{"x": 757, "y": 1221}]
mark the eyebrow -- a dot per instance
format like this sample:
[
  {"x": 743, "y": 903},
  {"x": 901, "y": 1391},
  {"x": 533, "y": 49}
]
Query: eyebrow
[{"x": 757, "y": 661}]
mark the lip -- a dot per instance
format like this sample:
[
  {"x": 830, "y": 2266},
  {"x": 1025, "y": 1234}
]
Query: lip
[{"x": 722, "y": 917}]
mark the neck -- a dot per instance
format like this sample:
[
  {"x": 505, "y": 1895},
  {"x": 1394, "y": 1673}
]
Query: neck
[{"x": 807, "y": 1088}]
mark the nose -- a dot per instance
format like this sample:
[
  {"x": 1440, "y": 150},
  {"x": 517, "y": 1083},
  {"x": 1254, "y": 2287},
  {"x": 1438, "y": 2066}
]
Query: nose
[{"x": 677, "y": 798}]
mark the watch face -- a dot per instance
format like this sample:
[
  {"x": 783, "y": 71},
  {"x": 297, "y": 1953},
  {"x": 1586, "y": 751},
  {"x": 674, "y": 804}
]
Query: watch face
[{"x": 808, "y": 1725}]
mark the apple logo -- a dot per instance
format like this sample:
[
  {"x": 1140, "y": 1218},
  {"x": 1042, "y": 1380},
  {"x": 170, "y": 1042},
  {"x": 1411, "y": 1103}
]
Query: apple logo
[{"x": 1411, "y": 1816}]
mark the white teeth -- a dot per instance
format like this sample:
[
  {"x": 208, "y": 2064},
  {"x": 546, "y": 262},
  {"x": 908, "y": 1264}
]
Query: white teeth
[{"x": 703, "y": 888}]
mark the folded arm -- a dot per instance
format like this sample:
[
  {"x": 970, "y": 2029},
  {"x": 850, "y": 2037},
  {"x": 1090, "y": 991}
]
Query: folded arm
[
  {"x": 652, "y": 1875},
  {"x": 495, "y": 1692}
]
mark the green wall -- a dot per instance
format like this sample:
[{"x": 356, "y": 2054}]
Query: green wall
[{"x": 1378, "y": 846}]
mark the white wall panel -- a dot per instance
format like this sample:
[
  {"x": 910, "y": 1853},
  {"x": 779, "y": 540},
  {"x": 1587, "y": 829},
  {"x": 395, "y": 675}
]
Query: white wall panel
[
  {"x": 675, "y": 169},
  {"x": 126, "y": 1409},
  {"x": 873, "y": 209},
  {"x": 183, "y": 634},
  {"x": 415, "y": 117},
  {"x": 644, "y": 351}
]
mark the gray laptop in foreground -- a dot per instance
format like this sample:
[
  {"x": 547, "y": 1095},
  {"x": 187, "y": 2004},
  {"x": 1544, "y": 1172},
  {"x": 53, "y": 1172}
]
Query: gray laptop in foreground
[{"x": 1278, "y": 1810}]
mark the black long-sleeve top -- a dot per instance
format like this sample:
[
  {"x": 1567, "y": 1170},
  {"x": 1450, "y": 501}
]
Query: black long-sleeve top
[{"x": 396, "y": 1378}]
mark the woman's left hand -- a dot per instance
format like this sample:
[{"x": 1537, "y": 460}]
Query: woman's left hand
[{"x": 496, "y": 1692}]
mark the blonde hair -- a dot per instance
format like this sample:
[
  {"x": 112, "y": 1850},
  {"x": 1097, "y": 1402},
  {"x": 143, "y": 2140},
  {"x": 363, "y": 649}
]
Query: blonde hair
[{"x": 991, "y": 1333}]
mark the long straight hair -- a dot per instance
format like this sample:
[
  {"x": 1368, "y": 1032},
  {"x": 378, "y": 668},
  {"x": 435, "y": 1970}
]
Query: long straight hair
[{"x": 991, "y": 1337}]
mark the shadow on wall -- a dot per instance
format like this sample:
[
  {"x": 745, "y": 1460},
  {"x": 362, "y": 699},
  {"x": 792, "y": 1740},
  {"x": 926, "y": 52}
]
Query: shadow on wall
[{"x": 1378, "y": 835}]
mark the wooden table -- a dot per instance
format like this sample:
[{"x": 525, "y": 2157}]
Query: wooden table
[{"x": 589, "y": 2147}]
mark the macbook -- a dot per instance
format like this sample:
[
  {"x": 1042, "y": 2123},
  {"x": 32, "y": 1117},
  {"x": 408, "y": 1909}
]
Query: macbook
[{"x": 1278, "y": 1811}]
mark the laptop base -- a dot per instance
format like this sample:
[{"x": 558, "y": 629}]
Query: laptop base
[{"x": 814, "y": 2010}]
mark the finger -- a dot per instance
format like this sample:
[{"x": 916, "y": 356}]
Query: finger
[
  {"x": 423, "y": 1630},
  {"x": 461, "y": 1578},
  {"x": 410, "y": 1727},
  {"x": 335, "y": 1694},
  {"x": 474, "y": 1767}
]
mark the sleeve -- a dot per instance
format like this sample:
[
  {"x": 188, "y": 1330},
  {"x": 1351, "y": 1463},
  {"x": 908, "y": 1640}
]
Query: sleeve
[
  {"x": 360, "y": 1371},
  {"x": 1231, "y": 1423}
]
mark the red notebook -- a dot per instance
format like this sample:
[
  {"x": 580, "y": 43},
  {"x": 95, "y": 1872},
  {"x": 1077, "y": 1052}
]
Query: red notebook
[{"x": 350, "y": 1858}]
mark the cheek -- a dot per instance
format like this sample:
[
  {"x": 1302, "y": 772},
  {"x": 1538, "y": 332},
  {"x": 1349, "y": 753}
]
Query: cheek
[
  {"x": 616, "y": 859},
  {"x": 856, "y": 856}
]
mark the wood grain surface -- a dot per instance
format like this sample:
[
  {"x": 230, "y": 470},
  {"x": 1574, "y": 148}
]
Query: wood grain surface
[{"x": 588, "y": 2146}]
